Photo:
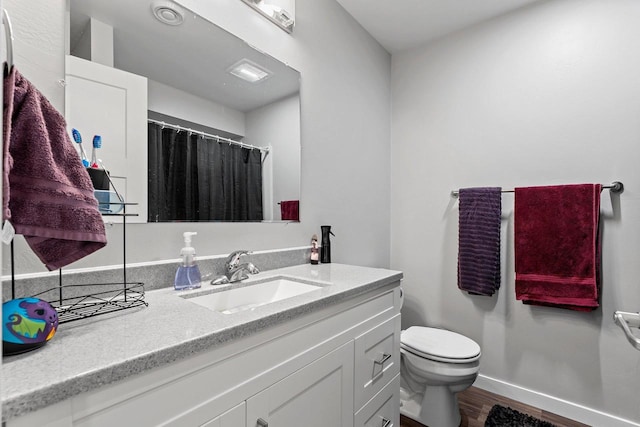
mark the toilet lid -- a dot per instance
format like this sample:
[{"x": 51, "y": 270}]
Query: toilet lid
[{"x": 433, "y": 343}]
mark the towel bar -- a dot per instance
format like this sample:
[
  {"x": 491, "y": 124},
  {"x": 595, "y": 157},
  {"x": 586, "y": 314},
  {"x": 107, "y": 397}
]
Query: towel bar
[
  {"x": 615, "y": 187},
  {"x": 627, "y": 321}
]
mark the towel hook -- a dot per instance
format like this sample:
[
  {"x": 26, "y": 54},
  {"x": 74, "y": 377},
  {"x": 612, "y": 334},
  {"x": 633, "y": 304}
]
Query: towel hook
[{"x": 8, "y": 31}]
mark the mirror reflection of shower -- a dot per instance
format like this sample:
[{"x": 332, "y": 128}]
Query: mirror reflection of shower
[{"x": 280, "y": 12}]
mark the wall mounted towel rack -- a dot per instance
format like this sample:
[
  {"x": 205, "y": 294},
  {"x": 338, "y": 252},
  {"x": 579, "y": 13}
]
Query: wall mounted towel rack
[
  {"x": 81, "y": 301},
  {"x": 615, "y": 187},
  {"x": 8, "y": 35}
]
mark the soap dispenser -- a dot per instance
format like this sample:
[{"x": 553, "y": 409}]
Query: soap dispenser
[{"x": 188, "y": 274}]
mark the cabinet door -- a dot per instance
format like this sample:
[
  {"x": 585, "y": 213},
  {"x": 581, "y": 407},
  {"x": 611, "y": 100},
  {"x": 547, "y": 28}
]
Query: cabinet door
[
  {"x": 112, "y": 103},
  {"x": 232, "y": 418},
  {"x": 318, "y": 395}
]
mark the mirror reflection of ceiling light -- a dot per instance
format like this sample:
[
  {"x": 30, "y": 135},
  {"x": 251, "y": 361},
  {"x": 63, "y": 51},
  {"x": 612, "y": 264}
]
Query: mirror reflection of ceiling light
[
  {"x": 167, "y": 12},
  {"x": 249, "y": 71}
]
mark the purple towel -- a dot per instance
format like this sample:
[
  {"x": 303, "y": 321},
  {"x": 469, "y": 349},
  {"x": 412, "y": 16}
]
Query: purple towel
[
  {"x": 479, "y": 240},
  {"x": 47, "y": 193}
]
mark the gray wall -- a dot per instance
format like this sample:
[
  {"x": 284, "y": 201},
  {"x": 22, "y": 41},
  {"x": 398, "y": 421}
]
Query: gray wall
[
  {"x": 38, "y": 46},
  {"x": 547, "y": 95},
  {"x": 345, "y": 134},
  {"x": 276, "y": 125}
]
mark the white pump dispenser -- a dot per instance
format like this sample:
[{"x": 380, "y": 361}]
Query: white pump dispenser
[
  {"x": 188, "y": 274},
  {"x": 188, "y": 252}
]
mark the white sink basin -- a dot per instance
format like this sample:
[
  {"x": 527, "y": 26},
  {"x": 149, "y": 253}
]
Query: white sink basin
[{"x": 252, "y": 296}]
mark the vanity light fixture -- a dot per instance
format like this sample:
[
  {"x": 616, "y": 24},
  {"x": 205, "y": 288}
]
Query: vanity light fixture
[
  {"x": 274, "y": 12},
  {"x": 167, "y": 12},
  {"x": 249, "y": 71}
]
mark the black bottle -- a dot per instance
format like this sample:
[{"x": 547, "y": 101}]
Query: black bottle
[{"x": 325, "y": 249}]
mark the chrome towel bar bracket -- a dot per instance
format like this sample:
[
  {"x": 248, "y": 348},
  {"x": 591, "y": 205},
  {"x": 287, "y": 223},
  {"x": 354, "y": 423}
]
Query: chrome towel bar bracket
[{"x": 627, "y": 321}]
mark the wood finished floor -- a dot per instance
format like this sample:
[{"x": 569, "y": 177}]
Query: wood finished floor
[{"x": 476, "y": 403}]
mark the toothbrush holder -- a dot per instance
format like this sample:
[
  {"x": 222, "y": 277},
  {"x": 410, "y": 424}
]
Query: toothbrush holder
[{"x": 99, "y": 178}]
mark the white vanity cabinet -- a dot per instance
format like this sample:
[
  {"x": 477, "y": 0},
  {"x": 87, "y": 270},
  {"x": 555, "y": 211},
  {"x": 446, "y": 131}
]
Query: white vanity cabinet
[
  {"x": 383, "y": 410},
  {"x": 321, "y": 394},
  {"x": 335, "y": 366},
  {"x": 377, "y": 375},
  {"x": 234, "y": 417}
]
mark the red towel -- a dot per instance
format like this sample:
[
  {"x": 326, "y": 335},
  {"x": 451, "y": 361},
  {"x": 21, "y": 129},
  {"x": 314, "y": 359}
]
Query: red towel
[
  {"x": 557, "y": 253},
  {"x": 47, "y": 193},
  {"x": 289, "y": 210}
]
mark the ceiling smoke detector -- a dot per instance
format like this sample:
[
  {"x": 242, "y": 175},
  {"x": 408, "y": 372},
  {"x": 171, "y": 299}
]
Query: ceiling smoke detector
[{"x": 167, "y": 12}]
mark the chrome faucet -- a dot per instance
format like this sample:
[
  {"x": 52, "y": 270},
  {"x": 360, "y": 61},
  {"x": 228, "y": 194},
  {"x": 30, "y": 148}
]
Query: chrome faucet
[{"x": 235, "y": 270}]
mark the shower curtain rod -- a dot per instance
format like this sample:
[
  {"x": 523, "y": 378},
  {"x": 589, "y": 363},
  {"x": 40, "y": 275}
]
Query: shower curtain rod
[
  {"x": 615, "y": 187},
  {"x": 208, "y": 135}
]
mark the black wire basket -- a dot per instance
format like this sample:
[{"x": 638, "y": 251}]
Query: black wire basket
[{"x": 89, "y": 300}]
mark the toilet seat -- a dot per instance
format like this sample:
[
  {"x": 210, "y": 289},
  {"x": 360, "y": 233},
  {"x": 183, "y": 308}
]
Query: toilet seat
[{"x": 439, "y": 345}]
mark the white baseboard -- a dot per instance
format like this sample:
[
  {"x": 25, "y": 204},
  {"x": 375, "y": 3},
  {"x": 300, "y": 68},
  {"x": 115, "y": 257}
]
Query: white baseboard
[{"x": 552, "y": 404}]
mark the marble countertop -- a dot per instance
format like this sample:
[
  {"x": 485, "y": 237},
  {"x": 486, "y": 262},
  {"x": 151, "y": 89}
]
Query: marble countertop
[{"x": 90, "y": 353}]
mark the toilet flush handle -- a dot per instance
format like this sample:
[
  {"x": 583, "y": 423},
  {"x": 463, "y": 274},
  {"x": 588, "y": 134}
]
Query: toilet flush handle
[{"x": 386, "y": 423}]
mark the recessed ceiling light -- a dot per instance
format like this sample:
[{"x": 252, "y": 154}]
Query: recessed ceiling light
[
  {"x": 249, "y": 71},
  {"x": 167, "y": 12}
]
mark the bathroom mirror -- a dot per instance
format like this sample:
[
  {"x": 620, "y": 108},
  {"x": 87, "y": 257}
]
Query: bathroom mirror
[{"x": 189, "y": 63}]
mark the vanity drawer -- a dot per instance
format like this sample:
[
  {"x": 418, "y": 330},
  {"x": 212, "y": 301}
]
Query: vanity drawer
[
  {"x": 383, "y": 410},
  {"x": 377, "y": 359}
]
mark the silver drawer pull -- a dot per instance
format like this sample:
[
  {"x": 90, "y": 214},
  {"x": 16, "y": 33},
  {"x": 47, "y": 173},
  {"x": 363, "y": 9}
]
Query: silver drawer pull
[
  {"x": 383, "y": 359},
  {"x": 262, "y": 423},
  {"x": 386, "y": 423}
]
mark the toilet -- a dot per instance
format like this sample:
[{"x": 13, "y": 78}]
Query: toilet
[{"x": 435, "y": 365}]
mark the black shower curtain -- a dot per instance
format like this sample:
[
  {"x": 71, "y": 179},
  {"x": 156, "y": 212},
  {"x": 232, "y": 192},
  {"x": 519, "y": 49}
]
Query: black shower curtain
[{"x": 193, "y": 178}]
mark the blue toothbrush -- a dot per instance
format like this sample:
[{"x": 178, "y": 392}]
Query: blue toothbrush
[
  {"x": 97, "y": 143},
  {"x": 78, "y": 139}
]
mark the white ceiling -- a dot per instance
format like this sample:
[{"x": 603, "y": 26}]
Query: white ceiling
[
  {"x": 182, "y": 56},
  {"x": 404, "y": 24}
]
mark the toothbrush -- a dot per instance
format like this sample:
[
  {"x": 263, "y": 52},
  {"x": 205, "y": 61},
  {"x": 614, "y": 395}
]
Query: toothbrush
[
  {"x": 78, "y": 139},
  {"x": 97, "y": 143}
]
